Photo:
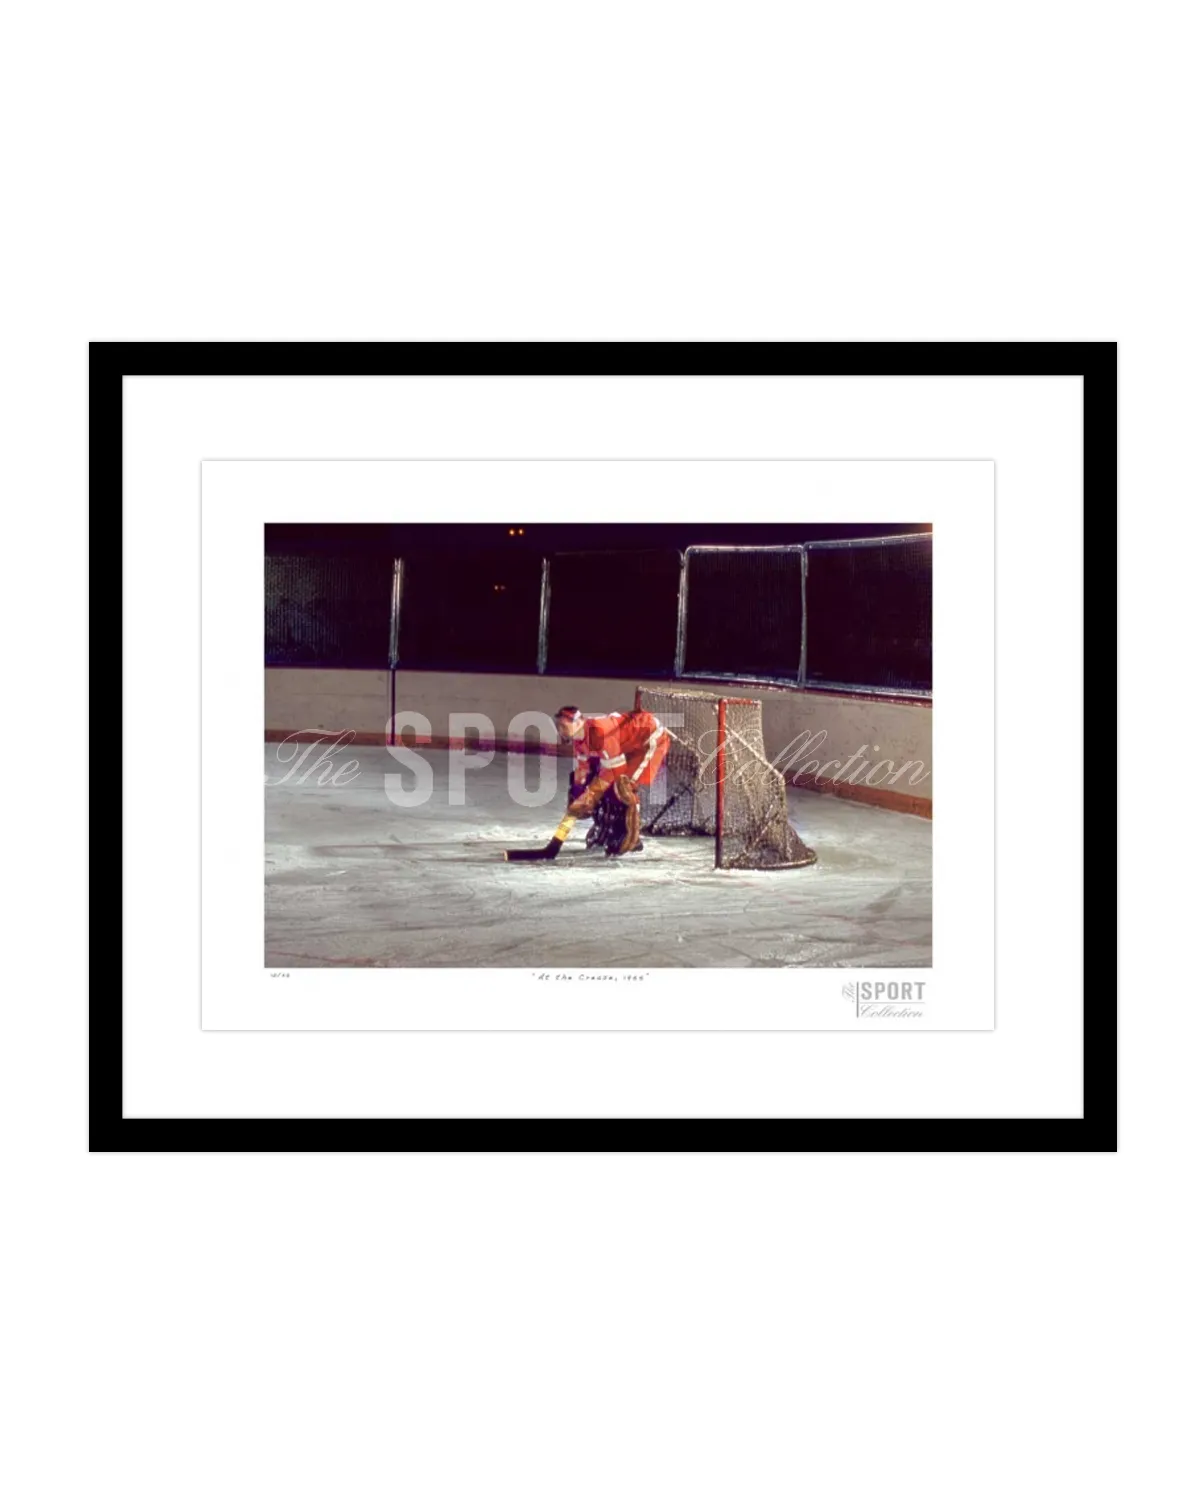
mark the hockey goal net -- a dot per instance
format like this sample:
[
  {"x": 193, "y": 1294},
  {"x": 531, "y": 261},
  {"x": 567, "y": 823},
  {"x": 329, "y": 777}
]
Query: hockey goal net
[{"x": 717, "y": 780}]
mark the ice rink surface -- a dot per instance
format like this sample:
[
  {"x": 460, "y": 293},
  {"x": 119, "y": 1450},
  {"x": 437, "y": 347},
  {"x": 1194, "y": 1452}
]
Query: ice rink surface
[{"x": 353, "y": 880}]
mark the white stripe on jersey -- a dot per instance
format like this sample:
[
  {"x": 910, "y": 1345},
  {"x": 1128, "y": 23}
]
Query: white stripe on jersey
[{"x": 651, "y": 746}]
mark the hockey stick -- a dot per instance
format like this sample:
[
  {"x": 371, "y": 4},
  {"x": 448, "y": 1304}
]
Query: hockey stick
[
  {"x": 551, "y": 850},
  {"x": 661, "y": 813}
]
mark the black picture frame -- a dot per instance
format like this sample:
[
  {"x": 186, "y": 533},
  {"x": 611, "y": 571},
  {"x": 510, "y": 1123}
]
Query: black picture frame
[{"x": 1096, "y": 1130}]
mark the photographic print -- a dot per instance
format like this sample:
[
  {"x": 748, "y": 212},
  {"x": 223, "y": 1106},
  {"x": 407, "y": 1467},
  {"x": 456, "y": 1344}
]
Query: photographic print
[
  {"x": 572, "y": 738},
  {"x": 601, "y": 745}
]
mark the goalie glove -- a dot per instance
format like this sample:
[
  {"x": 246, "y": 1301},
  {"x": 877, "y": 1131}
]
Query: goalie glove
[
  {"x": 584, "y": 805},
  {"x": 587, "y": 774}
]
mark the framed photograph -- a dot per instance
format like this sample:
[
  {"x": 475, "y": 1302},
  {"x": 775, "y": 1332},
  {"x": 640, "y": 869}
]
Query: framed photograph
[{"x": 532, "y": 747}]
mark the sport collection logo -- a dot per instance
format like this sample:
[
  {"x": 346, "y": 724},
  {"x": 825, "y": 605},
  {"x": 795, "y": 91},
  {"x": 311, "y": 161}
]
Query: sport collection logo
[{"x": 891, "y": 999}]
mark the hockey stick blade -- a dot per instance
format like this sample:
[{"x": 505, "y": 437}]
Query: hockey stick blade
[{"x": 551, "y": 849}]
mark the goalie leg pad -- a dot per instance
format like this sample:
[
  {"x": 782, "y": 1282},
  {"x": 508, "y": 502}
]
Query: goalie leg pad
[
  {"x": 626, "y": 791},
  {"x": 631, "y": 823},
  {"x": 607, "y": 823}
]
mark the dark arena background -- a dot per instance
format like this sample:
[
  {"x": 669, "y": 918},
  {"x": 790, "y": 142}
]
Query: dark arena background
[{"x": 432, "y": 655}]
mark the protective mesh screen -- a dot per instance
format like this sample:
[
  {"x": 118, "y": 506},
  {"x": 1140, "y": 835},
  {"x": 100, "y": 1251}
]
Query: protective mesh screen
[
  {"x": 473, "y": 610},
  {"x": 613, "y": 612},
  {"x": 870, "y": 614},
  {"x": 328, "y": 611},
  {"x": 744, "y": 613},
  {"x": 745, "y": 808}
]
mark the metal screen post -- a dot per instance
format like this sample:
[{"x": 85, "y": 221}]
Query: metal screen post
[
  {"x": 394, "y": 631},
  {"x": 394, "y": 643},
  {"x": 803, "y": 679},
  {"x": 720, "y": 778},
  {"x": 544, "y": 618},
  {"x": 681, "y": 616}
]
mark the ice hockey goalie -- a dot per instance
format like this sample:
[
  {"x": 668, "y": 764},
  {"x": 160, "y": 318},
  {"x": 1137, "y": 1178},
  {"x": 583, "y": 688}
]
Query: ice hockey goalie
[{"x": 616, "y": 756}]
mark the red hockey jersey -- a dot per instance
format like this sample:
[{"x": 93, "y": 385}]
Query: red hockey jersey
[{"x": 625, "y": 745}]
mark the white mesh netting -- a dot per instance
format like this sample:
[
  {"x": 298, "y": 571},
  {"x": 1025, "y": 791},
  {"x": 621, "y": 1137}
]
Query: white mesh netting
[{"x": 745, "y": 810}]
